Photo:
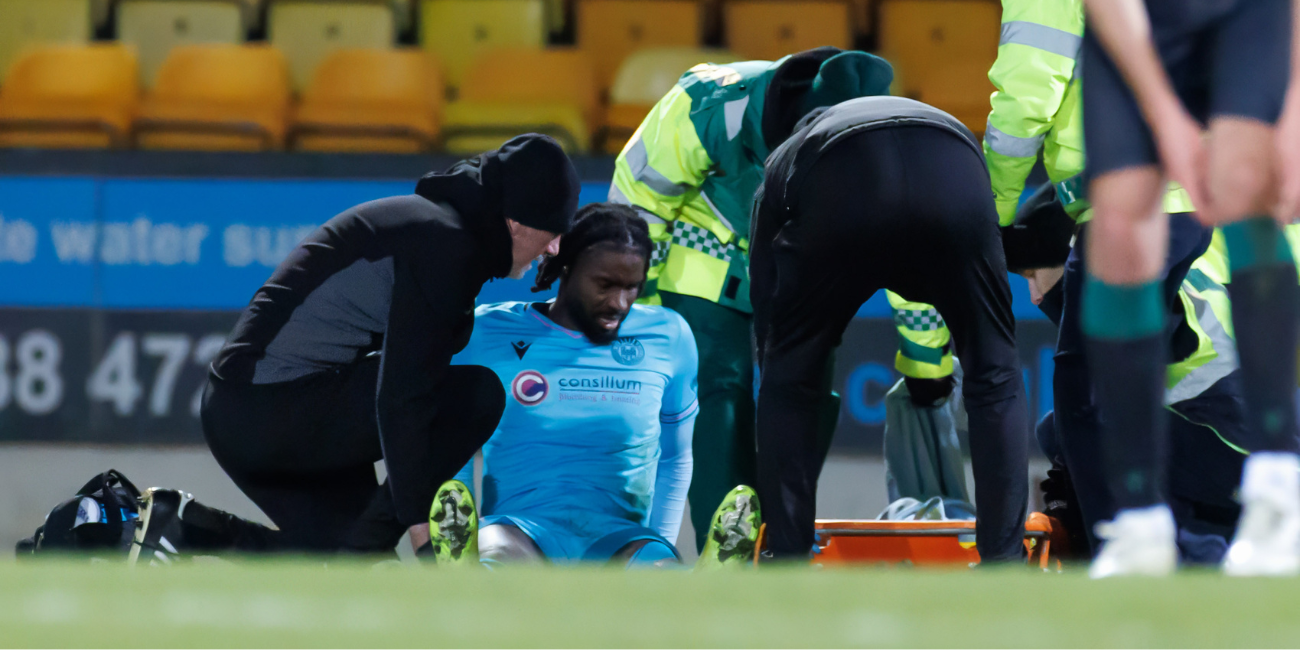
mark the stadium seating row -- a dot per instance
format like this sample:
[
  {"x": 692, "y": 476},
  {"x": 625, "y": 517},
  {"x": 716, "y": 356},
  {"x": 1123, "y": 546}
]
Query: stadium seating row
[
  {"x": 386, "y": 99},
  {"x": 237, "y": 98},
  {"x": 458, "y": 31}
]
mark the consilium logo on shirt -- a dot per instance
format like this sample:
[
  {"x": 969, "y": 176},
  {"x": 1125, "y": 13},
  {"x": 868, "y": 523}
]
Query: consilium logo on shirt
[
  {"x": 599, "y": 388},
  {"x": 627, "y": 351},
  {"x": 529, "y": 388}
]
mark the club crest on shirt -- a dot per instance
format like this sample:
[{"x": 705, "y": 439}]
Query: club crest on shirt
[
  {"x": 529, "y": 387},
  {"x": 627, "y": 351}
]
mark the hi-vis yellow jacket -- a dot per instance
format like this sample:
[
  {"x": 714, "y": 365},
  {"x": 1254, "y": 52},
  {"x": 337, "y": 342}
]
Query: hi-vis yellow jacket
[
  {"x": 691, "y": 170},
  {"x": 1038, "y": 106},
  {"x": 1209, "y": 314}
]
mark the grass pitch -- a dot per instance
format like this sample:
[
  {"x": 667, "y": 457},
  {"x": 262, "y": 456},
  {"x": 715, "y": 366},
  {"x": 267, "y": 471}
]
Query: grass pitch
[{"x": 264, "y": 604}]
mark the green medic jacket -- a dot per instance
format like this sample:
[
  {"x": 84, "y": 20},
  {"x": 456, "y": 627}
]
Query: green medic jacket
[{"x": 691, "y": 169}]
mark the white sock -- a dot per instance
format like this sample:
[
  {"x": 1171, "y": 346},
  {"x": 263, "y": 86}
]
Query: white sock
[{"x": 1272, "y": 474}]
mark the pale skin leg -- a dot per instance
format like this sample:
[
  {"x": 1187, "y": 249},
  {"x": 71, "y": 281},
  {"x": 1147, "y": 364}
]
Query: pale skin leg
[
  {"x": 1129, "y": 233},
  {"x": 419, "y": 535},
  {"x": 1287, "y": 141},
  {"x": 1243, "y": 171}
]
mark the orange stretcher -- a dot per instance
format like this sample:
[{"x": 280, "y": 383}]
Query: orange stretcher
[{"x": 918, "y": 543}]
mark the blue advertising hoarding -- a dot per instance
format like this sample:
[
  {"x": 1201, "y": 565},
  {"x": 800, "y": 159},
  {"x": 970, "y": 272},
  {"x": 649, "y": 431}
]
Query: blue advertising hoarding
[
  {"x": 115, "y": 293},
  {"x": 192, "y": 243}
]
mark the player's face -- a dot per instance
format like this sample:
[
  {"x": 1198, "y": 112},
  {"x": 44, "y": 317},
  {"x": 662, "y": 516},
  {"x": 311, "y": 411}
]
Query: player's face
[
  {"x": 599, "y": 290},
  {"x": 528, "y": 245}
]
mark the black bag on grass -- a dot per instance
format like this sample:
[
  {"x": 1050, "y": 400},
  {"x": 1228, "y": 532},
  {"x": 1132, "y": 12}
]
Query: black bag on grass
[{"x": 99, "y": 521}]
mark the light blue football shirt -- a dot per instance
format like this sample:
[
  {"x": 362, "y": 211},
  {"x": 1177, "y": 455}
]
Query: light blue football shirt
[{"x": 585, "y": 425}]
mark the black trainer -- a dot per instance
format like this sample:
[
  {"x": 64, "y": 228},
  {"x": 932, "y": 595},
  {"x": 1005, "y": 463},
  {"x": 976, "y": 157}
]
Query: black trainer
[{"x": 158, "y": 534}]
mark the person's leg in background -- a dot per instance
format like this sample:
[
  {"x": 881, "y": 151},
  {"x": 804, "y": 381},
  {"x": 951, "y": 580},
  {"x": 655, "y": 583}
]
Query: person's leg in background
[
  {"x": 1123, "y": 318},
  {"x": 302, "y": 451},
  {"x": 970, "y": 290},
  {"x": 805, "y": 322},
  {"x": 1205, "y": 470},
  {"x": 723, "y": 446},
  {"x": 762, "y": 271},
  {"x": 1123, "y": 321},
  {"x": 1243, "y": 189},
  {"x": 1078, "y": 422},
  {"x": 305, "y": 452}
]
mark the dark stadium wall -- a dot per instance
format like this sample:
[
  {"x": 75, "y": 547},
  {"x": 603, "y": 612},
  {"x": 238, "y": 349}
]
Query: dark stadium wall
[{"x": 116, "y": 291}]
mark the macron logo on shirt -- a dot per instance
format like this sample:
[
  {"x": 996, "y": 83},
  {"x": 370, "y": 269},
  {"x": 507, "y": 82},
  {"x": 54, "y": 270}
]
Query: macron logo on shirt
[{"x": 521, "y": 348}]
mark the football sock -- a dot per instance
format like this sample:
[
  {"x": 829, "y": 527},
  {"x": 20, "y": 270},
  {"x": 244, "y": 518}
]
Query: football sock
[
  {"x": 1126, "y": 351},
  {"x": 1265, "y": 316}
]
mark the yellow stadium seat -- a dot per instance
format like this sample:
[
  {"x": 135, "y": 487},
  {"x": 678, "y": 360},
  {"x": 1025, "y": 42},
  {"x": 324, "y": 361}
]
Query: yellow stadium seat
[
  {"x": 645, "y": 77},
  {"x": 371, "y": 100},
  {"x": 513, "y": 91},
  {"x": 217, "y": 98},
  {"x": 609, "y": 30},
  {"x": 70, "y": 96},
  {"x": 770, "y": 29},
  {"x": 154, "y": 27},
  {"x": 307, "y": 31},
  {"x": 31, "y": 22},
  {"x": 942, "y": 51},
  {"x": 458, "y": 31}
]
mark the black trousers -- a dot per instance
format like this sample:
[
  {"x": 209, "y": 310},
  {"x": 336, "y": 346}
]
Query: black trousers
[
  {"x": 1078, "y": 422},
  {"x": 304, "y": 450},
  {"x": 906, "y": 208}
]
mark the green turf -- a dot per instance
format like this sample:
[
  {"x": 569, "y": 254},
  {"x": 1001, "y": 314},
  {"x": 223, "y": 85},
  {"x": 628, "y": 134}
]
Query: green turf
[{"x": 295, "y": 605}]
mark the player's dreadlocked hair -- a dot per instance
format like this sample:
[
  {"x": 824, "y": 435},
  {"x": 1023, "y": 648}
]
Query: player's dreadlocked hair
[{"x": 597, "y": 224}]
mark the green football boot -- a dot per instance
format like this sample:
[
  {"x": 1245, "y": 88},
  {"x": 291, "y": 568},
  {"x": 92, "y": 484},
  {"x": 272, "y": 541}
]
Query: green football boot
[
  {"x": 453, "y": 525},
  {"x": 733, "y": 532}
]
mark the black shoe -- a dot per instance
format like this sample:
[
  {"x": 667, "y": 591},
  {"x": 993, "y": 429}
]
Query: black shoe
[
  {"x": 158, "y": 533},
  {"x": 1061, "y": 504}
]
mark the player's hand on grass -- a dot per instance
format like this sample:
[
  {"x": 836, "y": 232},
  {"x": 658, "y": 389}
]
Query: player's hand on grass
[
  {"x": 1180, "y": 142},
  {"x": 1287, "y": 141}
]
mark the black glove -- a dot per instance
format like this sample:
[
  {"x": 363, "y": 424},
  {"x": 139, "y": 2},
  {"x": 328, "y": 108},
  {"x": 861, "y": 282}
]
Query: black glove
[{"x": 928, "y": 393}]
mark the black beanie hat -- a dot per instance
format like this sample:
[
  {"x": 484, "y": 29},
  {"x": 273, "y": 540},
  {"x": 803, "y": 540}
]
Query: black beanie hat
[
  {"x": 1041, "y": 234},
  {"x": 539, "y": 185}
]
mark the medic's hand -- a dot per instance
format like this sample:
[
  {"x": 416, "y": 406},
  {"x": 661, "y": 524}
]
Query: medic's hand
[{"x": 1182, "y": 153}]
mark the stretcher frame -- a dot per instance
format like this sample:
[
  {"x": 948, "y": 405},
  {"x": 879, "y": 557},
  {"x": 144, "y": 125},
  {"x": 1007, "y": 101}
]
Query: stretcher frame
[{"x": 918, "y": 543}]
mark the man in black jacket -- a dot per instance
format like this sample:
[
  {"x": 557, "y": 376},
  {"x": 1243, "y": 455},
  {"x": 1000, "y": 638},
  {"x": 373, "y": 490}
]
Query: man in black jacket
[
  {"x": 343, "y": 357},
  {"x": 881, "y": 193}
]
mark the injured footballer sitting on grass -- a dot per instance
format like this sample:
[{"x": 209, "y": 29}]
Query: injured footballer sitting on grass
[{"x": 592, "y": 458}]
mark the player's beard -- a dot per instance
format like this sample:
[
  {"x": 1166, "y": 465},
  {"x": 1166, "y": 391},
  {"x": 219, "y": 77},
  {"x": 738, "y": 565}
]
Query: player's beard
[{"x": 594, "y": 331}]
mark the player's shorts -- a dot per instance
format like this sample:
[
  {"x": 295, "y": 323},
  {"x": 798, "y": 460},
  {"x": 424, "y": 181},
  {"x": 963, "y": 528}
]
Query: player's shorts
[
  {"x": 563, "y": 545},
  {"x": 1224, "y": 58}
]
